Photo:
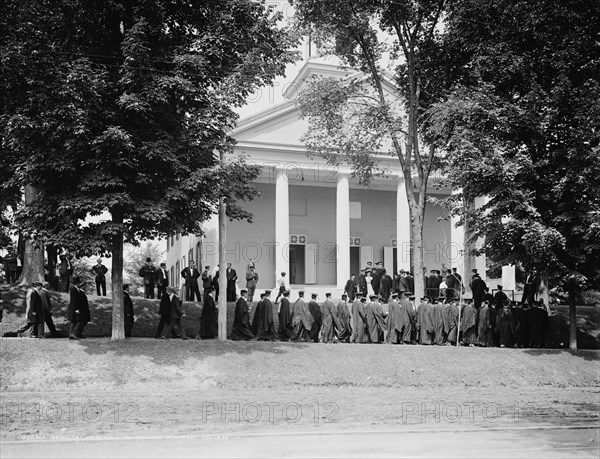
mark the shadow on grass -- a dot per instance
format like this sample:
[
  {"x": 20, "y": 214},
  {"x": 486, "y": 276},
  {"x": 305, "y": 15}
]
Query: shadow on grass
[
  {"x": 589, "y": 355},
  {"x": 176, "y": 351}
]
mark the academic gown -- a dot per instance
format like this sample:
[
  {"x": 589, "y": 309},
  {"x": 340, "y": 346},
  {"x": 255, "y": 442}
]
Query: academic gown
[
  {"x": 538, "y": 326},
  {"x": 394, "y": 326},
  {"x": 344, "y": 322},
  {"x": 330, "y": 321},
  {"x": 209, "y": 319},
  {"x": 452, "y": 318},
  {"x": 359, "y": 322},
  {"x": 315, "y": 312},
  {"x": 468, "y": 324},
  {"x": 385, "y": 289},
  {"x": 375, "y": 321},
  {"x": 241, "y": 322},
  {"x": 407, "y": 318},
  {"x": 505, "y": 327},
  {"x": 285, "y": 320},
  {"x": 484, "y": 327},
  {"x": 425, "y": 323},
  {"x": 302, "y": 321},
  {"x": 521, "y": 331},
  {"x": 441, "y": 324},
  {"x": 265, "y": 325}
]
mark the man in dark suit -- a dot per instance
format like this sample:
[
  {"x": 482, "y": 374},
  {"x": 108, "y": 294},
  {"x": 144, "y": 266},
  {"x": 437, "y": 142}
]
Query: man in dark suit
[
  {"x": 148, "y": 272},
  {"x": 164, "y": 312},
  {"x": 191, "y": 275},
  {"x": 206, "y": 282},
  {"x": 162, "y": 280},
  {"x": 362, "y": 282},
  {"x": 65, "y": 271},
  {"x": 478, "y": 288},
  {"x": 34, "y": 313},
  {"x": 350, "y": 288},
  {"x": 376, "y": 277},
  {"x": 231, "y": 280},
  {"x": 176, "y": 329},
  {"x": 78, "y": 311},
  {"x": 129, "y": 315},
  {"x": 47, "y": 310}
]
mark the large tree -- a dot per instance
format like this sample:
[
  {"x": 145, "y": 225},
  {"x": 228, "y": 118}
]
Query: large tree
[
  {"x": 522, "y": 128},
  {"x": 396, "y": 44},
  {"x": 120, "y": 108}
]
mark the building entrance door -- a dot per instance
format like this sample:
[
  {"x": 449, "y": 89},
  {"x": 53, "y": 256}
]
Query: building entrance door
[{"x": 297, "y": 273}]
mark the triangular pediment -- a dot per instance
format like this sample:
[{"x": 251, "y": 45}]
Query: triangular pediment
[{"x": 281, "y": 124}]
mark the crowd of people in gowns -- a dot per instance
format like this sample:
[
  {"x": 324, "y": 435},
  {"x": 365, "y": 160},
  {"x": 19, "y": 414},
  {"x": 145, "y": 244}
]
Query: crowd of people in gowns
[{"x": 495, "y": 321}]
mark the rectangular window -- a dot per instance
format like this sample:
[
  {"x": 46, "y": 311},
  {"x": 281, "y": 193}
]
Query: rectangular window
[
  {"x": 172, "y": 275},
  {"x": 168, "y": 245},
  {"x": 176, "y": 278},
  {"x": 190, "y": 255},
  {"x": 298, "y": 207},
  {"x": 355, "y": 210}
]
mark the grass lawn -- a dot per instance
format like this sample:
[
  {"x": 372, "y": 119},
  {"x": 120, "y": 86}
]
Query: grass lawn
[{"x": 146, "y": 312}]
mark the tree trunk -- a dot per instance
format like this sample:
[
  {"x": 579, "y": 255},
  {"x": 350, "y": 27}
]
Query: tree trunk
[
  {"x": 544, "y": 291},
  {"x": 417, "y": 251},
  {"x": 33, "y": 259},
  {"x": 572, "y": 319},
  {"x": 118, "y": 310},
  {"x": 222, "y": 306},
  {"x": 52, "y": 256},
  {"x": 222, "y": 334}
]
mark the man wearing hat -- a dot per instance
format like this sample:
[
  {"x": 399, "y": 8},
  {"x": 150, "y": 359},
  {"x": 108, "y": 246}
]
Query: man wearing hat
[
  {"x": 241, "y": 319},
  {"x": 191, "y": 275},
  {"x": 468, "y": 323},
  {"x": 478, "y": 288},
  {"x": 375, "y": 322},
  {"x": 359, "y": 320},
  {"x": 362, "y": 282},
  {"x": 176, "y": 328},
  {"x": 285, "y": 317},
  {"x": 500, "y": 298},
  {"x": 505, "y": 326},
  {"x": 484, "y": 327},
  {"x": 78, "y": 311},
  {"x": 376, "y": 277},
  {"x": 385, "y": 286},
  {"x": 350, "y": 287},
  {"x": 407, "y": 319},
  {"x": 100, "y": 271},
  {"x": 344, "y": 321},
  {"x": 425, "y": 321},
  {"x": 162, "y": 280},
  {"x": 207, "y": 282},
  {"x": 33, "y": 313},
  {"x": 209, "y": 319},
  {"x": 330, "y": 320},
  {"x": 315, "y": 312},
  {"x": 148, "y": 273},
  {"x": 263, "y": 324},
  {"x": 128, "y": 308},
  {"x": 452, "y": 319},
  {"x": 65, "y": 271},
  {"x": 302, "y": 320}
]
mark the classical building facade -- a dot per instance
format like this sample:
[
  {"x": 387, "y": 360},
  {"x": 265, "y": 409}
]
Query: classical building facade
[{"x": 313, "y": 221}]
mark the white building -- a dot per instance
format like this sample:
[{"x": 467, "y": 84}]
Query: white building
[{"x": 313, "y": 221}]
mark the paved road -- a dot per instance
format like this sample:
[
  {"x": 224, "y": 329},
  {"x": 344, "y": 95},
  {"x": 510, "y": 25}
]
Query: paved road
[{"x": 526, "y": 442}]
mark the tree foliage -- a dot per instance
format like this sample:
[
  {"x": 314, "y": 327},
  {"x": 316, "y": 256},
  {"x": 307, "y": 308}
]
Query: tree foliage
[
  {"x": 120, "y": 106},
  {"x": 522, "y": 127},
  {"x": 398, "y": 48}
]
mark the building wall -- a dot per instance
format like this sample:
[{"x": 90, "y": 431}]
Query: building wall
[{"x": 318, "y": 224}]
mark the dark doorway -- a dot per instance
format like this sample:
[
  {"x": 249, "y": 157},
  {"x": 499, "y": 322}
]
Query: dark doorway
[
  {"x": 297, "y": 264},
  {"x": 355, "y": 260}
]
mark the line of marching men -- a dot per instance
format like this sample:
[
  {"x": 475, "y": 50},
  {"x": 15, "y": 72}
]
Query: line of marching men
[{"x": 364, "y": 321}]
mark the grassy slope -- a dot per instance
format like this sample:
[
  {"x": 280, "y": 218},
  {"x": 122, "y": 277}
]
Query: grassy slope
[{"x": 588, "y": 320}]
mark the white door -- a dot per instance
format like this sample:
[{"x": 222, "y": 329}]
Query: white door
[
  {"x": 310, "y": 264},
  {"x": 388, "y": 260},
  {"x": 366, "y": 254}
]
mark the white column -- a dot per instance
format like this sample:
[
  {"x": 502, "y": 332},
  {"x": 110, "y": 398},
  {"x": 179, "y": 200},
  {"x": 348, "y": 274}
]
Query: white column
[
  {"x": 402, "y": 227},
  {"x": 480, "y": 261},
  {"x": 282, "y": 224},
  {"x": 457, "y": 243},
  {"x": 342, "y": 230}
]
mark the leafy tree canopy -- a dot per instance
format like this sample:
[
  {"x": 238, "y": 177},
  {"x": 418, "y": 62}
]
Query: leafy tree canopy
[
  {"x": 523, "y": 129},
  {"x": 120, "y": 106}
]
